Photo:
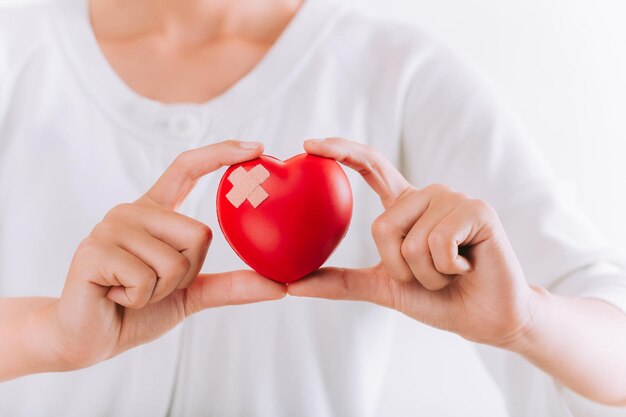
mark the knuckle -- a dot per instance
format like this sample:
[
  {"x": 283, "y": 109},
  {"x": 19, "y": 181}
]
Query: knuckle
[
  {"x": 482, "y": 208},
  {"x": 120, "y": 210},
  {"x": 381, "y": 226},
  {"x": 438, "y": 238},
  {"x": 461, "y": 196},
  {"x": 411, "y": 248},
  {"x": 451, "y": 198},
  {"x": 183, "y": 157},
  {"x": 88, "y": 247},
  {"x": 202, "y": 235},
  {"x": 104, "y": 230},
  {"x": 416, "y": 194},
  {"x": 182, "y": 162},
  {"x": 437, "y": 188}
]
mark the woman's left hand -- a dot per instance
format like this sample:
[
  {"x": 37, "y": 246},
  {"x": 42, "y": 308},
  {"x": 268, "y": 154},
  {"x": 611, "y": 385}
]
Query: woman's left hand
[{"x": 445, "y": 259}]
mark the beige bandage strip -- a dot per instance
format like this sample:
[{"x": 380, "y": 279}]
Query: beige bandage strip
[{"x": 247, "y": 186}]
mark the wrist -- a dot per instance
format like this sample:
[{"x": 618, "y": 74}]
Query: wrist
[
  {"x": 531, "y": 334},
  {"x": 42, "y": 338}
]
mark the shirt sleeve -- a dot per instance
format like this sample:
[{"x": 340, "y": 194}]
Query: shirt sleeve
[{"x": 458, "y": 132}]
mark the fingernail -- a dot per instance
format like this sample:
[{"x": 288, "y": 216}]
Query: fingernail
[
  {"x": 250, "y": 145},
  {"x": 314, "y": 141}
]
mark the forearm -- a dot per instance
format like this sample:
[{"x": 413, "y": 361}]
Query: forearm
[
  {"x": 581, "y": 342},
  {"x": 27, "y": 341}
]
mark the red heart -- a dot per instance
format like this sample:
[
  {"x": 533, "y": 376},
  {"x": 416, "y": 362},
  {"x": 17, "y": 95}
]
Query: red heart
[{"x": 305, "y": 213}]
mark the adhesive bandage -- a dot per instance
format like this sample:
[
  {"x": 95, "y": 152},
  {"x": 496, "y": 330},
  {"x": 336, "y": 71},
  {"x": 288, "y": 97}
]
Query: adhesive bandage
[{"x": 247, "y": 186}]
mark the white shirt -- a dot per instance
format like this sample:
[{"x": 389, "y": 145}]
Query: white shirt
[{"x": 75, "y": 141}]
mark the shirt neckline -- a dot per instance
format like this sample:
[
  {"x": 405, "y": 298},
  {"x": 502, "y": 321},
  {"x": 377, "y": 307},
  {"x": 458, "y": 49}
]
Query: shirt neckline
[{"x": 191, "y": 122}]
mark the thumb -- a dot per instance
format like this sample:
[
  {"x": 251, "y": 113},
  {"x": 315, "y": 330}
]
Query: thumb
[
  {"x": 230, "y": 288},
  {"x": 368, "y": 284}
]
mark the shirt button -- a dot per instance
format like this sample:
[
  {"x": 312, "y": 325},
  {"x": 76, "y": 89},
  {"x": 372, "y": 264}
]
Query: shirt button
[{"x": 184, "y": 124}]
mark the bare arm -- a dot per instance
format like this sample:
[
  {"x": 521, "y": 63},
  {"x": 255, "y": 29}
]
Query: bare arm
[
  {"x": 26, "y": 341},
  {"x": 581, "y": 342}
]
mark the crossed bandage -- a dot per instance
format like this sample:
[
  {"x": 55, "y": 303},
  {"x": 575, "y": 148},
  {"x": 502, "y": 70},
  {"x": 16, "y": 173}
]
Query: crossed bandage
[{"x": 247, "y": 186}]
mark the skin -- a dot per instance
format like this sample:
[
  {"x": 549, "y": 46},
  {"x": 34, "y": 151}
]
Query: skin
[
  {"x": 187, "y": 50},
  {"x": 445, "y": 259}
]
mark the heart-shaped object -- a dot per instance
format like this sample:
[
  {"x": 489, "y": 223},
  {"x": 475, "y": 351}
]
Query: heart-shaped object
[{"x": 284, "y": 219}]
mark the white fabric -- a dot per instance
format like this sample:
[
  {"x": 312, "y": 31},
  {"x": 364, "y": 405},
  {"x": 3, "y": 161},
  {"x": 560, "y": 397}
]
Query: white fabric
[{"x": 75, "y": 141}]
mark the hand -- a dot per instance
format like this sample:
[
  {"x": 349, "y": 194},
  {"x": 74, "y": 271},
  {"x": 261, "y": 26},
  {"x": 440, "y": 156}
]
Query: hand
[
  {"x": 445, "y": 259},
  {"x": 136, "y": 275}
]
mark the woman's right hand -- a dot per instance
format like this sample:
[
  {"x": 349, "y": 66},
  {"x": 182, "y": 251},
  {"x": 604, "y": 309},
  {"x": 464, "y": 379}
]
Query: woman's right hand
[{"x": 137, "y": 274}]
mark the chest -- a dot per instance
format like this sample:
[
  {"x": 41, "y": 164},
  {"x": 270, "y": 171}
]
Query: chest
[{"x": 194, "y": 74}]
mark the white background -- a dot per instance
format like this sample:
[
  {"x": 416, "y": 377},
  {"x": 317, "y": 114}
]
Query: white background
[{"x": 562, "y": 65}]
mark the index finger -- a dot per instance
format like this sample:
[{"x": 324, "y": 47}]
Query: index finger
[
  {"x": 181, "y": 176},
  {"x": 375, "y": 169}
]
